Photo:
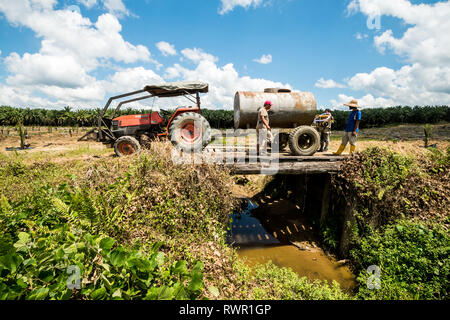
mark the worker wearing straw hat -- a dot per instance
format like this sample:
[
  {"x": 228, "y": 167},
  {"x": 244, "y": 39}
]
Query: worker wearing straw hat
[{"x": 351, "y": 129}]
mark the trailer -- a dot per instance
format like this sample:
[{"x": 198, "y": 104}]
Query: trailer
[{"x": 292, "y": 112}]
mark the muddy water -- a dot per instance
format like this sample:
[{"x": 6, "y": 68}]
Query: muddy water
[{"x": 274, "y": 232}]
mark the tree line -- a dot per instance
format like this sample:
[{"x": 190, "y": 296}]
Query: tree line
[{"x": 219, "y": 119}]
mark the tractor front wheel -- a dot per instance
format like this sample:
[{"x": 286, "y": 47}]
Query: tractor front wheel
[
  {"x": 190, "y": 131},
  {"x": 125, "y": 146}
]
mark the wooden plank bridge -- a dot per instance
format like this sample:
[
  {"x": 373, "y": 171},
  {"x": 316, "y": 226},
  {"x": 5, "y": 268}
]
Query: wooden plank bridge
[{"x": 244, "y": 161}]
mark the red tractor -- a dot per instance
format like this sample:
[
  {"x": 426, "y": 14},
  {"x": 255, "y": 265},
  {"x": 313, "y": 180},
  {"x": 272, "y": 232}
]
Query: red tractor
[{"x": 187, "y": 129}]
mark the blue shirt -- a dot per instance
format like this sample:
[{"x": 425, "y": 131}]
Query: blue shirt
[{"x": 351, "y": 122}]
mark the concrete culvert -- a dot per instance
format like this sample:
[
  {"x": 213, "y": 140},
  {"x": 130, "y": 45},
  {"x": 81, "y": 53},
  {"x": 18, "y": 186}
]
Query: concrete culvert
[
  {"x": 190, "y": 131},
  {"x": 126, "y": 145},
  {"x": 304, "y": 141}
]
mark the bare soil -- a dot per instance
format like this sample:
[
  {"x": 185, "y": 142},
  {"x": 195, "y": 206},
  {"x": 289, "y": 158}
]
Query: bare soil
[{"x": 60, "y": 145}]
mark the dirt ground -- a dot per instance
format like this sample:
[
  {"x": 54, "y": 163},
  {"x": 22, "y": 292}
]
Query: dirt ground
[
  {"x": 404, "y": 139},
  {"x": 60, "y": 145},
  {"x": 56, "y": 146}
]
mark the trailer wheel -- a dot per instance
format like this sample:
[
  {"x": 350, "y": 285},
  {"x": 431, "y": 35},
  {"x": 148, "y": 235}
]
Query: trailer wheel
[
  {"x": 190, "y": 131},
  {"x": 125, "y": 146},
  {"x": 304, "y": 141}
]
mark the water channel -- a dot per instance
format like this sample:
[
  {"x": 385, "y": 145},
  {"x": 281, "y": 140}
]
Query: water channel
[{"x": 276, "y": 231}]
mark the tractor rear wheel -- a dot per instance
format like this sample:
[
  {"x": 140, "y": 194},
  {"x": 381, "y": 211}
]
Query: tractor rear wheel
[
  {"x": 126, "y": 145},
  {"x": 190, "y": 131},
  {"x": 304, "y": 141}
]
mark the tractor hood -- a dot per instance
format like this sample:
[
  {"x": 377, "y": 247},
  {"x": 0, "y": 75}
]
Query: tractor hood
[{"x": 173, "y": 89}]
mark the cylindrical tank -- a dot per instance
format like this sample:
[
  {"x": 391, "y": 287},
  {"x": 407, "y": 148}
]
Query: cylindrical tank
[{"x": 289, "y": 109}]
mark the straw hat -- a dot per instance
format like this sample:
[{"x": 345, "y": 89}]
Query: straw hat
[{"x": 353, "y": 104}]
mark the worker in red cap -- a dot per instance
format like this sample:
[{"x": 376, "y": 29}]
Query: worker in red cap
[{"x": 263, "y": 133}]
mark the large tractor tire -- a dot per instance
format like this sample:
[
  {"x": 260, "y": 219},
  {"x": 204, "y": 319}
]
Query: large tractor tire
[
  {"x": 304, "y": 141},
  {"x": 126, "y": 145},
  {"x": 190, "y": 131}
]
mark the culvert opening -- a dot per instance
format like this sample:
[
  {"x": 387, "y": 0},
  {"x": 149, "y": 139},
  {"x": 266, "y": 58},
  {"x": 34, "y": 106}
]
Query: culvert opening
[{"x": 282, "y": 224}]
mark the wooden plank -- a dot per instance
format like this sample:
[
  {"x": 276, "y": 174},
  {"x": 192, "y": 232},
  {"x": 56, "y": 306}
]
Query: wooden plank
[
  {"x": 285, "y": 168},
  {"x": 241, "y": 157}
]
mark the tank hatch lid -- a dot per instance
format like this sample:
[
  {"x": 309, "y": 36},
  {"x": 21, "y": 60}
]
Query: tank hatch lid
[
  {"x": 277, "y": 90},
  {"x": 172, "y": 89}
]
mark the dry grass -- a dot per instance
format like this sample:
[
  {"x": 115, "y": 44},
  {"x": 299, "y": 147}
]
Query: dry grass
[
  {"x": 407, "y": 148},
  {"x": 53, "y": 147}
]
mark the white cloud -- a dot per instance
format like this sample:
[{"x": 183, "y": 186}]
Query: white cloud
[
  {"x": 132, "y": 79},
  {"x": 426, "y": 41},
  {"x": 367, "y": 101},
  {"x": 410, "y": 85},
  {"x": 68, "y": 31},
  {"x": 91, "y": 95},
  {"x": 360, "y": 36},
  {"x": 328, "y": 84},
  {"x": 229, "y": 5},
  {"x": 88, "y": 3},
  {"x": 196, "y": 55},
  {"x": 116, "y": 7},
  {"x": 21, "y": 97},
  {"x": 173, "y": 72},
  {"x": 166, "y": 48},
  {"x": 425, "y": 80},
  {"x": 265, "y": 59},
  {"x": 71, "y": 48},
  {"x": 352, "y": 7},
  {"x": 224, "y": 80},
  {"x": 33, "y": 69}
]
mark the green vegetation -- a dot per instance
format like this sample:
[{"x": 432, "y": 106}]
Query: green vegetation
[
  {"x": 427, "y": 134},
  {"x": 142, "y": 228},
  {"x": 277, "y": 283},
  {"x": 401, "y": 222},
  {"x": 389, "y": 186},
  {"x": 380, "y": 117},
  {"x": 130, "y": 229},
  {"x": 67, "y": 117},
  {"x": 137, "y": 228},
  {"x": 21, "y": 135},
  {"x": 413, "y": 260},
  {"x": 220, "y": 119},
  {"x": 40, "y": 266}
]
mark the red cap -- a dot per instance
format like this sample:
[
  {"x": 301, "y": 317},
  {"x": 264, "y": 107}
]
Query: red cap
[{"x": 268, "y": 103}]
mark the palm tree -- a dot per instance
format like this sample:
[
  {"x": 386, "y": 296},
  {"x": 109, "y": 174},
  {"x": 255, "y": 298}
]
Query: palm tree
[
  {"x": 82, "y": 117},
  {"x": 15, "y": 117}
]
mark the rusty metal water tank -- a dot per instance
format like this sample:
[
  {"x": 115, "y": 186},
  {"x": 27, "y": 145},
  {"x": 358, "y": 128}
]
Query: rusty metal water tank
[{"x": 289, "y": 109}]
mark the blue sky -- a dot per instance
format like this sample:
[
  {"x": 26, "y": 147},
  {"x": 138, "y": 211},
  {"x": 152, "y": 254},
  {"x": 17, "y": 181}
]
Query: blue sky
[{"x": 79, "y": 52}]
